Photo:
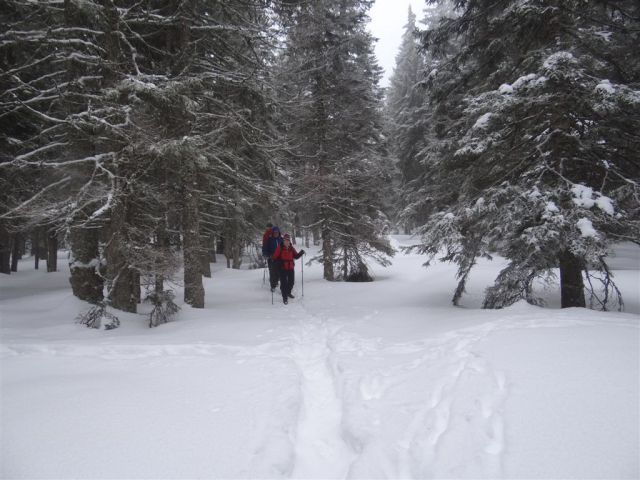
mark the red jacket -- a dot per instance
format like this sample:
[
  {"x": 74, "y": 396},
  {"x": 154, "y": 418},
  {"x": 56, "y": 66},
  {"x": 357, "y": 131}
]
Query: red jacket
[{"x": 286, "y": 255}]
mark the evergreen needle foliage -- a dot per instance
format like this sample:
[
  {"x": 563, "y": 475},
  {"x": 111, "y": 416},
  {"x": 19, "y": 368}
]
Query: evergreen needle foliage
[{"x": 532, "y": 148}]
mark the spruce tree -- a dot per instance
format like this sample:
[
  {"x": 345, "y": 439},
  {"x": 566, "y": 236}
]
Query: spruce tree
[
  {"x": 333, "y": 121},
  {"x": 138, "y": 126},
  {"x": 405, "y": 99},
  {"x": 57, "y": 134},
  {"x": 533, "y": 147}
]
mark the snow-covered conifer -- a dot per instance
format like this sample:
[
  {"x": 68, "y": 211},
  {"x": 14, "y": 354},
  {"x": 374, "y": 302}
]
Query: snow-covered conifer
[
  {"x": 533, "y": 153},
  {"x": 333, "y": 119}
]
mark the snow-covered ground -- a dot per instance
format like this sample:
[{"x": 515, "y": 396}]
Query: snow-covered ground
[{"x": 376, "y": 380}]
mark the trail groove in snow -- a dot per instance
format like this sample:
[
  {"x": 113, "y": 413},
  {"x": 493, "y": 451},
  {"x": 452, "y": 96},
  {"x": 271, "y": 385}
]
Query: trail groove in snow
[{"x": 320, "y": 448}]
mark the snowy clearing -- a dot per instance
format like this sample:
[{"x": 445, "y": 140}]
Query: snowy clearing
[{"x": 373, "y": 380}]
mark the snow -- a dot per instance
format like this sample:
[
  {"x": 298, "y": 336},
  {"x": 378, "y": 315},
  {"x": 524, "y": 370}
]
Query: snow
[
  {"x": 367, "y": 380},
  {"x": 586, "y": 228},
  {"x": 582, "y": 196},
  {"x": 474, "y": 148},
  {"x": 526, "y": 81},
  {"x": 605, "y": 86},
  {"x": 557, "y": 59},
  {"x": 605, "y": 204},
  {"x": 94, "y": 263},
  {"x": 505, "y": 88},
  {"x": 483, "y": 121},
  {"x": 551, "y": 207},
  {"x": 604, "y": 35}
]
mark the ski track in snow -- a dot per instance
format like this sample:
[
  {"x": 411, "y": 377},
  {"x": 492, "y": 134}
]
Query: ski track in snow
[
  {"x": 320, "y": 447},
  {"x": 330, "y": 422},
  {"x": 329, "y": 444}
]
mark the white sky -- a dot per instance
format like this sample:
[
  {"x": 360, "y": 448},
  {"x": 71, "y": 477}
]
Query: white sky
[{"x": 388, "y": 18}]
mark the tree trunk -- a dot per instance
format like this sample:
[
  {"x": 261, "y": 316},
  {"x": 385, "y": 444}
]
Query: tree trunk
[
  {"x": 86, "y": 283},
  {"x": 122, "y": 278},
  {"x": 327, "y": 255},
  {"x": 123, "y": 292},
  {"x": 15, "y": 252},
  {"x": 52, "y": 251},
  {"x": 236, "y": 252},
  {"x": 212, "y": 250},
  {"x": 205, "y": 256},
  {"x": 206, "y": 266},
  {"x": 193, "y": 289},
  {"x": 159, "y": 286},
  {"x": 36, "y": 248},
  {"x": 345, "y": 264},
  {"x": 137, "y": 288},
  {"x": 5, "y": 251},
  {"x": 162, "y": 245},
  {"x": 571, "y": 281}
]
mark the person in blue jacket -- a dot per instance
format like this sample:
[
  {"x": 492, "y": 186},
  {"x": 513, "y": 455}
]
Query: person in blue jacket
[{"x": 274, "y": 241}]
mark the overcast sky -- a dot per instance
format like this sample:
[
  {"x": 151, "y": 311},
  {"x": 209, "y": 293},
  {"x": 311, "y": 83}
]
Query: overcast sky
[{"x": 388, "y": 18}]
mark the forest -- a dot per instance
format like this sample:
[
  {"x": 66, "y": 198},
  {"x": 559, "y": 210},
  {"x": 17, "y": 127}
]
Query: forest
[{"x": 147, "y": 137}]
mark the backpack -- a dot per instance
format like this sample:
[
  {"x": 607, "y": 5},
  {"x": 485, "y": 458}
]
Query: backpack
[{"x": 265, "y": 242}]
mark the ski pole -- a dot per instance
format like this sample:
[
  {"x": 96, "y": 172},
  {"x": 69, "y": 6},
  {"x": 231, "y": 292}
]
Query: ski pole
[
  {"x": 302, "y": 265},
  {"x": 272, "y": 296}
]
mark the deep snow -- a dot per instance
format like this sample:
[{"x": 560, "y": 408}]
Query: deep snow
[{"x": 376, "y": 380}]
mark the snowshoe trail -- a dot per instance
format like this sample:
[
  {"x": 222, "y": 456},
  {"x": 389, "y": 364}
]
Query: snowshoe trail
[
  {"x": 459, "y": 417},
  {"x": 353, "y": 425},
  {"x": 464, "y": 402},
  {"x": 320, "y": 448}
]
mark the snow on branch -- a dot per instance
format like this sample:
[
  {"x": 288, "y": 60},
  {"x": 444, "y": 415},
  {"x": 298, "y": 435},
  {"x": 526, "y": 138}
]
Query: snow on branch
[
  {"x": 19, "y": 208},
  {"x": 92, "y": 159},
  {"x": 21, "y": 158}
]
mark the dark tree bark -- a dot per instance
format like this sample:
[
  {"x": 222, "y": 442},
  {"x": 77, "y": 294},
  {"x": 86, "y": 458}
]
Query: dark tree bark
[
  {"x": 345, "y": 264},
  {"x": 206, "y": 267},
  {"x": 212, "y": 250},
  {"x": 162, "y": 243},
  {"x": 571, "y": 281},
  {"x": 159, "y": 284},
  {"x": 35, "y": 248},
  {"x": 205, "y": 255},
  {"x": 193, "y": 289},
  {"x": 327, "y": 259},
  {"x": 137, "y": 288},
  {"x": 124, "y": 292},
  {"x": 15, "y": 252},
  {"x": 122, "y": 278},
  {"x": 5, "y": 251},
  {"x": 52, "y": 251},
  {"x": 86, "y": 283},
  {"x": 236, "y": 254},
  {"x": 227, "y": 251}
]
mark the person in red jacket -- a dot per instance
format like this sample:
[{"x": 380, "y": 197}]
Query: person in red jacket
[{"x": 284, "y": 256}]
